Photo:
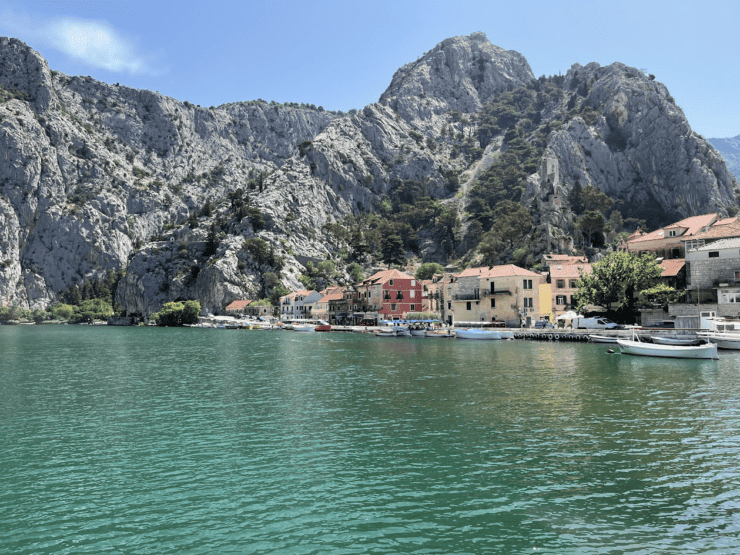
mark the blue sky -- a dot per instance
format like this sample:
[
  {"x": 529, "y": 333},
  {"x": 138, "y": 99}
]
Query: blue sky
[{"x": 342, "y": 54}]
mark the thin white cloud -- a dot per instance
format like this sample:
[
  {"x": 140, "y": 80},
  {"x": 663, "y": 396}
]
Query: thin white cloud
[{"x": 94, "y": 43}]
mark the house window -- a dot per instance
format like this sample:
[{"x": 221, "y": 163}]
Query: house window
[
  {"x": 413, "y": 307},
  {"x": 413, "y": 283},
  {"x": 573, "y": 284},
  {"x": 493, "y": 303},
  {"x": 561, "y": 284},
  {"x": 528, "y": 302},
  {"x": 449, "y": 306},
  {"x": 390, "y": 282},
  {"x": 393, "y": 307},
  {"x": 467, "y": 307},
  {"x": 713, "y": 254},
  {"x": 527, "y": 284},
  {"x": 560, "y": 300},
  {"x": 412, "y": 294}
]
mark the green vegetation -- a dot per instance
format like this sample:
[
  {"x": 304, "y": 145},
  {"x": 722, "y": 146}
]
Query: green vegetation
[
  {"x": 178, "y": 314},
  {"x": 427, "y": 270},
  {"x": 616, "y": 280}
]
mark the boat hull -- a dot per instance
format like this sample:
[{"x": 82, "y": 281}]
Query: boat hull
[
  {"x": 601, "y": 339},
  {"x": 667, "y": 351},
  {"x": 477, "y": 334}
]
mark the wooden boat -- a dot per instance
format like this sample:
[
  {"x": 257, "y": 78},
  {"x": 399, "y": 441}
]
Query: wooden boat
[
  {"x": 628, "y": 347},
  {"x": 602, "y": 339},
  {"x": 474, "y": 333},
  {"x": 439, "y": 333},
  {"x": 674, "y": 340},
  {"x": 322, "y": 325}
]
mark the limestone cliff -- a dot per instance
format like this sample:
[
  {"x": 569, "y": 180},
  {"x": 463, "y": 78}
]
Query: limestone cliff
[{"x": 96, "y": 176}]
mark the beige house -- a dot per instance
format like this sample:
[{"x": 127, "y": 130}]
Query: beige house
[
  {"x": 563, "y": 279},
  {"x": 505, "y": 293},
  {"x": 238, "y": 307},
  {"x": 668, "y": 242}
]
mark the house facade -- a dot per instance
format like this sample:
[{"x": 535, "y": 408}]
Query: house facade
[
  {"x": 713, "y": 272},
  {"x": 505, "y": 293},
  {"x": 238, "y": 307},
  {"x": 391, "y": 294},
  {"x": 298, "y": 305},
  {"x": 669, "y": 242},
  {"x": 563, "y": 279},
  {"x": 330, "y": 305}
]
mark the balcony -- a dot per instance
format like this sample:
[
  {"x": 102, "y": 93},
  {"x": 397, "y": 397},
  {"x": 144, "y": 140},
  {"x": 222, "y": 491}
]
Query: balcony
[
  {"x": 468, "y": 297},
  {"x": 488, "y": 293}
]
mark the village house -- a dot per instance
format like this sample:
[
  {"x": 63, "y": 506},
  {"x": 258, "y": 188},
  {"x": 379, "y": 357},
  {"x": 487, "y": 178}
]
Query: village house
[
  {"x": 713, "y": 274},
  {"x": 392, "y": 294},
  {"x": 298, "y": 305},
  {"x": 330, "y": 305},
  {"x": 668, "y": 242},
  {"x": 563, "y": 279},
  {"x": 238, "y": 307},
  {"x": 257, "y": 310},
  {"x": 505, "y": 293}
]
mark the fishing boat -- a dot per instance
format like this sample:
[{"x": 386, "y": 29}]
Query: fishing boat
[
  {"x": 385, "y": 332},
  {"x": 602, "y": 339},
  {"x": 659, "y": 340},
  {"x": 475, "y": 333},
  {"x": 629, "y": 347},
  {"x": 439, "y": 333}
]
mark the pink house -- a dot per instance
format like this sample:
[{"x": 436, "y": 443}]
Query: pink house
[{"x": 392, "y": 294}]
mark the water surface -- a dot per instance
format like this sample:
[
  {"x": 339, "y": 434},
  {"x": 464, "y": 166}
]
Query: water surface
[{"x": 158, "y": 441}]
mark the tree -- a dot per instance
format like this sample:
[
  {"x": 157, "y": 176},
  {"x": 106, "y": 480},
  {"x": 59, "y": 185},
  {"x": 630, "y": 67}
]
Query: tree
[
  {"x": 211, "y": 242},
  {"x": 592, "y": 222},
  {"x": 615, "y": 280},
  {"x": 178, "y": 313},
  {"x": 660, "y": 295},
  {"x": 392, "y": 250},
  {"x": 94, "y": 309},
  {"x": 427, "y": 270},
  {"x": 62, "y": 311},
  {"x": 258, "y": 248},
  {"x": 355, "y": 272}
]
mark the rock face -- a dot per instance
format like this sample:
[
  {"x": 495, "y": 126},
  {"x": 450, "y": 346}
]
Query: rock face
[{"x": 96, "y": 177}]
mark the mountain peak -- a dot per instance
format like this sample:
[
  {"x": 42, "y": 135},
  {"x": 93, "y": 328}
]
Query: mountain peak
[{"x": 461, "y": 73}]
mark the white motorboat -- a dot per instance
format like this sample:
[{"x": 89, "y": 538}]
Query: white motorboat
[
  {"x": 402, "y": 331},
  {"x": 727, "y": 341},
  {"x": 385, "y": 332},
  {"x": 417, "y": 332},
  {"x": 474, "y": 333},
  {"x": 304, "y": 327},
  {"x": 629, "y": 347}
]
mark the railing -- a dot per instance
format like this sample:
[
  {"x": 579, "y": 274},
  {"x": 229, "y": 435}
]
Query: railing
[
  {"x": 488, "y": 292},
  {"x": 468, "y": 297}
]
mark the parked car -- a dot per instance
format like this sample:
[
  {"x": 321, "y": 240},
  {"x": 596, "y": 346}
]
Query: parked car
[
  {"x": 595, "y": 323},
  {"x": 543, "y": 324}
]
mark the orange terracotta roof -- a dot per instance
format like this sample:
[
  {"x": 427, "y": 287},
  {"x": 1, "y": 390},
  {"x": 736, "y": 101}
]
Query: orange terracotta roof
[
  {"x": 672, "y": 267},
  {"x": 238, "y": 305},
  {"x": 565, "y": 259},
  {"x": 505, "y": 270},
  {"x": 569, "y": 270},
  {"x": 332, "y": 297},
  {"x": 729, "y": 227},
  {"x": 692, "y": 225},
  {"x": 385, "y": 275}
]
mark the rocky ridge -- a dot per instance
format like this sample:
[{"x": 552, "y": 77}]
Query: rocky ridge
[{"x": 99, "y": 176}]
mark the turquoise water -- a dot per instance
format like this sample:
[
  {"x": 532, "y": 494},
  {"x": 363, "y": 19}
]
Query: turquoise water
[{"x": 189, "y": 441}]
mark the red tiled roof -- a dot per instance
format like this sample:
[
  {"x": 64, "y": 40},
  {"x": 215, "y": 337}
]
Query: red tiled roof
[
  {"x": 569, "y": 270},
  {"x": 692, "y": 225},
  {"x": 385, "y": 275},
  {"x": 672, "y": 267},
  {"x": 238, "y": 305},
  {"x": 565, "y": 259},
  {"x": 729, "y": 227},
  {"x": 505, "y": 270},
  {"x": 332, "y": 297}
]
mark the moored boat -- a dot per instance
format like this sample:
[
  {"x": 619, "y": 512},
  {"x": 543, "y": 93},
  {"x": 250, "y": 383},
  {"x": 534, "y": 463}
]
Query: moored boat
[
  {"x": 628, "y": 347},
  {"x": 304, "y": 327},
  {"x": 474, "y": 333},
  {"x": 675, "y": 340},
  {"x": 602, "y": 339},
  {"x": 726, "y": 341},
  {"x": 385, "y": 332},
  {"x": 439, "y": 333}
]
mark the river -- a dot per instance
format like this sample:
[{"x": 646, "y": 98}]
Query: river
[{"x": 193, "y": 441}]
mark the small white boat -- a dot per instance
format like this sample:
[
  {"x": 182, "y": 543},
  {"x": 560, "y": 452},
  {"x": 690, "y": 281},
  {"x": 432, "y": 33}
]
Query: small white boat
[
  {"x": 402, "y": 331},
  {"x": 506, "y": 334},
  {"x": 674, "y": 340},
  {"x": 628, "y": 347},
  {"x": 602, "y": 339},
  {"x": 304, "y": 327},
  {"x": 473, "y": 333},
  {"x": 385, "y": 332},
  {"x": 417, "y": 332}
]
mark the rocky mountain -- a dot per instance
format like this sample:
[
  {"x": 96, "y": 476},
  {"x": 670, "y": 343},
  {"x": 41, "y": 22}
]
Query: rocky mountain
[
  {"x": 226, "y": 202},
  {"x": 729, "y": 149}
]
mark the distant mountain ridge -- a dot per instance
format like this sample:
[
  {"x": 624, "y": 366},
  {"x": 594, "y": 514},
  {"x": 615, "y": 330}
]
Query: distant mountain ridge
[
  {"x": 197, "y": 203},
  {"x": 730, "y": 151}
]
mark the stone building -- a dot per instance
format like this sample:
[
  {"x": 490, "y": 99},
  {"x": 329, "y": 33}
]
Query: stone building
[{"x": 713, "y": 272}]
